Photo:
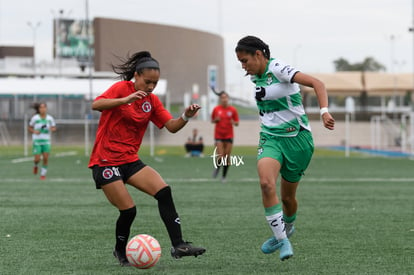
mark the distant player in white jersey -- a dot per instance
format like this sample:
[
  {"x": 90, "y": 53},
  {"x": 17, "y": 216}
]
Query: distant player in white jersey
[
  {"x": 286, "y": 143},
  {"x": 41, "y": 125}
]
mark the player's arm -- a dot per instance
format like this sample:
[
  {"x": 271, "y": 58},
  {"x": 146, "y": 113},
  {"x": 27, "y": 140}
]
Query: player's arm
[
  {"x": 175, "y": 124},
  {"x": 32, "y": 130},
  {"x": 235, "y": 119},
  {"x": 214, "y": 117},
  {"x": 109, "y": 103},
  {"x": 52, "y": 127},
  {"x": 321, "y": 94}
]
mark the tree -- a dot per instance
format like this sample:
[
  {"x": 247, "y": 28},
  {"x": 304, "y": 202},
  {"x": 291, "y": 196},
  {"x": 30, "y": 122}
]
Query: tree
[{"x": 369, "y": 64}]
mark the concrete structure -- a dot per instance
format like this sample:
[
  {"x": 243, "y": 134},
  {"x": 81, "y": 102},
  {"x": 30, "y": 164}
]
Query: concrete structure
[
  {"x": 184, "y": 54},
  {"x": 10, "y": 51},
  {"x": 246, "y": 134}
]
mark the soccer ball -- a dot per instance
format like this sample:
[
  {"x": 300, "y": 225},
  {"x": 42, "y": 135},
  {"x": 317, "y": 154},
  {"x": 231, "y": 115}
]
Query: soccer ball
[{"x": 143, "y": 251}]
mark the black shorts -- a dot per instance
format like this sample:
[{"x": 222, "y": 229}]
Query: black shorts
[
  {"x": 229, "y": 140},
  {"x": 106, "y": 174}
]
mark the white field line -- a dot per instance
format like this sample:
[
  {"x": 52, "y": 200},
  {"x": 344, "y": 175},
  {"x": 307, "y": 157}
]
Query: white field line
[
  {"x": 21, "y": 159},
  {"x": 58, "y": 155},
  {"x": 175, "y": 180},
  {"x": 65, "y": 154}
]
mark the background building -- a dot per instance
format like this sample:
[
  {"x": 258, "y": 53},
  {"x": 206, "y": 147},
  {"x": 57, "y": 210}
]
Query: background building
[
  {"x": 191, "y": 61},
  {"x": 185, "y": 55}
]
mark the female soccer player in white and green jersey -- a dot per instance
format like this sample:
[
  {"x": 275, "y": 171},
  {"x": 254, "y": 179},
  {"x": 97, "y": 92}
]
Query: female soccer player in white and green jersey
[
  {"x": 41, "y": 125},
  {"x": 286, "y": 143}
]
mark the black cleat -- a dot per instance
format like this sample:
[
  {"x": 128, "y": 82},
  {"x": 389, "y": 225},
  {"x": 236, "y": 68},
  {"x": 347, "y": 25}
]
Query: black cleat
[
  {"x": 186, "y": 249},
  {"x": 123, "y": 261}
]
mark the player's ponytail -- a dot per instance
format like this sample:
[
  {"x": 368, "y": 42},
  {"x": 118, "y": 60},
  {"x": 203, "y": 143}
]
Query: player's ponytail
[{"x": 136, "y": 63}]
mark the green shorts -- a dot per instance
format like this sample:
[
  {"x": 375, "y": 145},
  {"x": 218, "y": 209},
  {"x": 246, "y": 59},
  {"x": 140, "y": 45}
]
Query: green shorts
[
  {"x": 41, "y": 148},
  {"x": 293, "y": 153}
]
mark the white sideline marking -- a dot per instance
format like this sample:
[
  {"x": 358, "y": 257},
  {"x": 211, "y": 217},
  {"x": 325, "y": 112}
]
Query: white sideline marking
[
  {"x": 64, "y": 154},
  {"x": 58, "y": 155},
  {"x": 21, "y": 159}
]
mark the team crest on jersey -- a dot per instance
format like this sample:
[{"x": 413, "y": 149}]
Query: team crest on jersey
[
  {"x": 269, "y": 79},
  {"x": 107, "y": 173},
  {"x": 146, "y": 107}
]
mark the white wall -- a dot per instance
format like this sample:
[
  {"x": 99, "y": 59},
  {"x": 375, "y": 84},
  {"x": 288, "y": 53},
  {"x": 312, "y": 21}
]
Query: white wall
[{"x": 248, "y": 130}]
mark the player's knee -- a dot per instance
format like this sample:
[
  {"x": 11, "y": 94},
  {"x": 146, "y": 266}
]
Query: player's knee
[
  {"x": 288, "y": 200},
  {"x": 163, "y": 194},
  {"x": 267, "y": 186}
]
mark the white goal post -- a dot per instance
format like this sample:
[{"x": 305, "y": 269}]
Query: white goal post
[{"x": 384, "y": 132}]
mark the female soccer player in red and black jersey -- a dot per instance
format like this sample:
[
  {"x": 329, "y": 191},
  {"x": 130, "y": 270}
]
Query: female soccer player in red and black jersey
[
  {"x": 224, "y": 116},
  {"x": 126, "y": 109}
]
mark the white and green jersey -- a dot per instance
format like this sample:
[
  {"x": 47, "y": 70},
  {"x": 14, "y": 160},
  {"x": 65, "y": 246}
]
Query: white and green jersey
[
  {"x": 42, "y": 125},
  {"x": 279, "y": 100}
]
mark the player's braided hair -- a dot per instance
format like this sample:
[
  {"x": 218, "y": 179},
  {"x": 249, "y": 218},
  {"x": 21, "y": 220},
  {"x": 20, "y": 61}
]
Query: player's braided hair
[
  {"x": 251, "y": 44},
  {"x": 136, "y": 63}
]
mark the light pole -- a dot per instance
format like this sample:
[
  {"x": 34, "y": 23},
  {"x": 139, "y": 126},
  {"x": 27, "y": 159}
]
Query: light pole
[
  {"x": 394, "y": 104},
  {"x": 411, "y": 29},
  {"x": 34, "y": 28}
]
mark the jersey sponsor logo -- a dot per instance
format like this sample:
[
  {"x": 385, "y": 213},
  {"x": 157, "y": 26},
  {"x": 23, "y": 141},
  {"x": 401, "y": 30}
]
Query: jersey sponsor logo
[
  {"x": 290, "y": 129},
  {"x": 146, "y": 107}
]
